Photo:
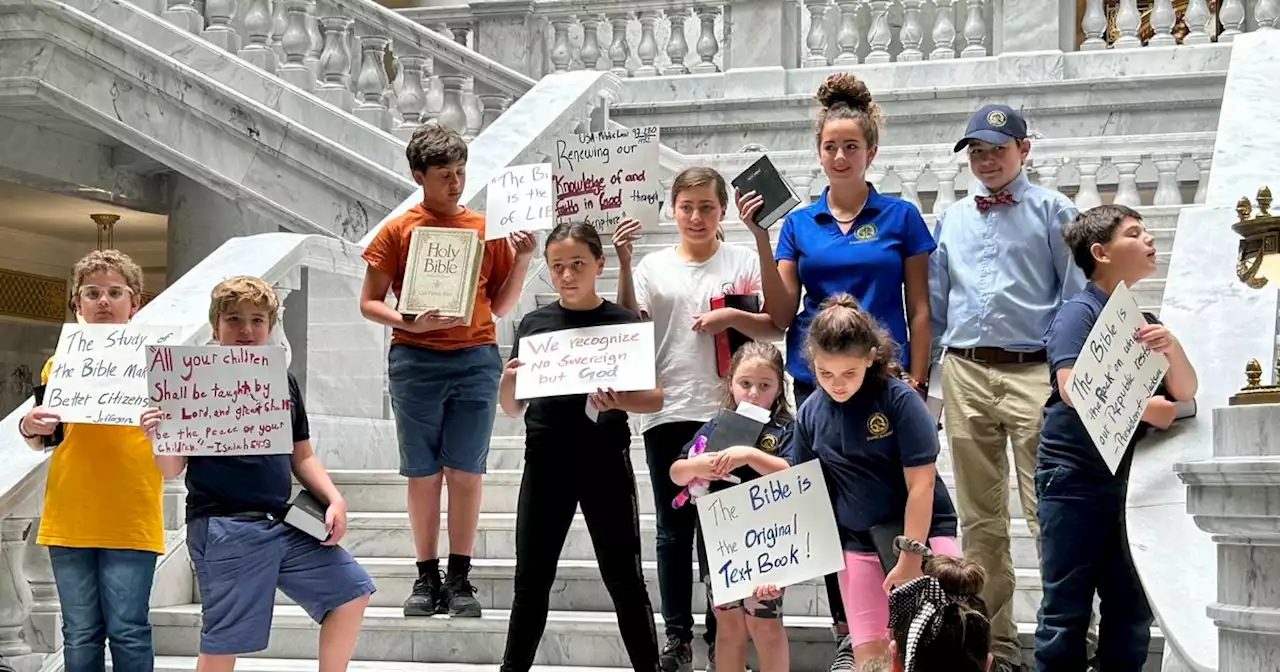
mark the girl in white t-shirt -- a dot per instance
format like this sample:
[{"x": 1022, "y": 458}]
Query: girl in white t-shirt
[{"x": 674, "y": 288}]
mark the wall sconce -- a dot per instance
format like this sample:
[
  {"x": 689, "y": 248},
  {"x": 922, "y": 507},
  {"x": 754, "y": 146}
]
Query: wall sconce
[
  {"x": 1259, "y": 261},
  {"x": 106, "y": 230}
]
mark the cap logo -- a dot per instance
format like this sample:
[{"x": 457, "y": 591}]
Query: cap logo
[{"x": 997, "y": 118}]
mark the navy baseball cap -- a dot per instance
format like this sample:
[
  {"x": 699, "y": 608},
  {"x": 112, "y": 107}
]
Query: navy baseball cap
[{"x": 996, "y": 124}]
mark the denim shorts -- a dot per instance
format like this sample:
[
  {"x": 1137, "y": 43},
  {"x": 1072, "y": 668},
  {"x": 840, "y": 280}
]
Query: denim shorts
[
  {"x": 444, "y": 402},
  {"x": 240, "y": 561}
]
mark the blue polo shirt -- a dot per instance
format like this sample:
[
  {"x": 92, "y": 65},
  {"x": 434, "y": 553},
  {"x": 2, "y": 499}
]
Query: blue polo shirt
[
  {"x": 866, "y": 263},
  {"x": 863, "y": 445},
  {"x": 1064, "y": 441}
]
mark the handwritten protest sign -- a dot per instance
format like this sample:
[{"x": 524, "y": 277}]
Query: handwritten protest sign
[
  {"x": 778, "y": 529},
  {"x": 604, "y": 176},
  {"x": 580, "y": 361},
  {"x": 519, "y": 199},
  {"x": 99, "y": 373},
  {"x": 220, "y": 400},
  {"x": 1115, "y": 376}
]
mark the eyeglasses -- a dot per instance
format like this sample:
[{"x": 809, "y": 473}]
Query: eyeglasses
[{"x": 94, "y": 293}]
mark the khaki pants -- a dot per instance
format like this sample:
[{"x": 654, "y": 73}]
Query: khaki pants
[{"x": 987, "y": 407}]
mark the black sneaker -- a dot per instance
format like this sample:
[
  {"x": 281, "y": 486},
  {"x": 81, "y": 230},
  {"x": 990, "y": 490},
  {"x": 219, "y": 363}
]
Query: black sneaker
[
  {"x": 677, "y": 655},
  {"x": 844, "y": 656},
  {"x": 427, "y": 597},
  {"x": 460, "y": 597}
]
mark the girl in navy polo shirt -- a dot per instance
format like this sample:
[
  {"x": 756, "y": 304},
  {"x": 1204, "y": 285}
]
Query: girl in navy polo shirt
[{"x": 877, "y": 445}]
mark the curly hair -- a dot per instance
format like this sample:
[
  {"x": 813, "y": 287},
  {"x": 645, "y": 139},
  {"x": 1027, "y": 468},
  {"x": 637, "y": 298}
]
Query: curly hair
[
  {"x": 233, "y": 291},
  {"x": 844, "y": 96},
  {"x": 110, "y": 261}
]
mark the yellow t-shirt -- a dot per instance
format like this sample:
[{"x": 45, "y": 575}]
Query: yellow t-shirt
[{"x": 103, "y": 489}]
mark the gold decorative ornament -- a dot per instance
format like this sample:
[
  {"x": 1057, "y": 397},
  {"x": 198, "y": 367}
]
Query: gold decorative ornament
[
  {"x": 106, "y": 230},
  {"x": 1257, "y": 262}
]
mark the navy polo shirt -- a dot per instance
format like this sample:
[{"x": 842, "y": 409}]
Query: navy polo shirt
[
  {"x": 775, "y": 440},
  {"x": 863, "y": 445},
  {"x": 1064, "y": 440},
  {"x": 866, "y": 263}
]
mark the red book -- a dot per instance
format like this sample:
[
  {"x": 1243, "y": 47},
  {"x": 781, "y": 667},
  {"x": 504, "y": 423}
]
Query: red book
[{"x": 729, "y": 340}]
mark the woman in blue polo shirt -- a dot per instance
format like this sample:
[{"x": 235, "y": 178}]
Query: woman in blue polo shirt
[{"x": 852, "y": 240}]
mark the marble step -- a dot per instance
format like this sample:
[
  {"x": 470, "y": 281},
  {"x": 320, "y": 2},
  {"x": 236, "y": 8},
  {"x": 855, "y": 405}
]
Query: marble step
[
  {"x": 188, "y": 664},
  {"x": 387, "y": 535},
  {"x": 578, "y": 587},
  {"x": 571, "y": 638},
  {"x": 383, "y": 490}
]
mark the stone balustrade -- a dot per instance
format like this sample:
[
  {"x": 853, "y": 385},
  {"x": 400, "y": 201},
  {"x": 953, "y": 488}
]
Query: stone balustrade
[{"x": 1119, "y": 24}]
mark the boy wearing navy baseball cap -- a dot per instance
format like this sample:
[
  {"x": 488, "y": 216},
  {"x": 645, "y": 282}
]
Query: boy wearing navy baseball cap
[{"x": 996, "y": 280}]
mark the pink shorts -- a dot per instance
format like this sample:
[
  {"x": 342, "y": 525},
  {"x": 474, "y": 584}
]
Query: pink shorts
[{"x": 862, "y": 588}]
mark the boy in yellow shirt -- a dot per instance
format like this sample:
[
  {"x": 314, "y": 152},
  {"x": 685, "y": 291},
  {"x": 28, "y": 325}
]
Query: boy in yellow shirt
[{"x": 102, "y": 514}]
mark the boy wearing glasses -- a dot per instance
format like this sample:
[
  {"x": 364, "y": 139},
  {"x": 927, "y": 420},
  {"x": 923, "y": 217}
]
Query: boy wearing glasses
[{"x": 102, "y": 514}]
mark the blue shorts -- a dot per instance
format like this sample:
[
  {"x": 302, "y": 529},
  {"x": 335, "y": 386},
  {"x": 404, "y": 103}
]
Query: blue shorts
[
  {"x": 240, "y": 561},
  {"x": 444, "y": 402}
]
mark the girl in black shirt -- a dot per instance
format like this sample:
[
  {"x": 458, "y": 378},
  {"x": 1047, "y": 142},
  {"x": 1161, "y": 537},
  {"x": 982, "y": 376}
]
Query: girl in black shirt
[{"x": 574, "y": 460}]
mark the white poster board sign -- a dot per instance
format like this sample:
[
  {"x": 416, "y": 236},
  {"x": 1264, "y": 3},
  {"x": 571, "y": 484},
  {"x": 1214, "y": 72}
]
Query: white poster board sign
[
  {"x": 220, "y": 400},
  {"x": 778, "y": 529},
  {"x": 1114, "y": 377},
  {"x": 605, "y": 176},
  {"x": 99, "y": 373},
  {"x": 519, "y": 199},
  {"x": 581, "y": 361}
]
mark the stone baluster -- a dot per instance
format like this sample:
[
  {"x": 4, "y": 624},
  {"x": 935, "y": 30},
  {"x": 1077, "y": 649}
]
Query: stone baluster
[
  {"x": 220, "y": 32},
  {"x": 371, "y": 83},
  {"x": 173, "y": 500},
  {"x": 582, "y": 120},
  {"x": 1197, "y": 19},
  {"x": 473, "y": 107},
  {"x": 590, "y": 51},
  {"x": 335, "y": 63},
  {"x": 815, "y": 41},
  {"x": 257, "y": 26},
  {"x": 909, "y": 178},
  {"x": 847, "y": 34},
  {"x": 648, "y": 47},
  {"x": 561, "y": 50},
  {"x": 1167, "y": 191},
  {"x": 677, "y": 45},
  {"x": 434, "y": 90},
  {"x": 802, "y": 180},
  {"x": 461, "y": 34},
  {"x": 452, "y": 113},
  {"x": 876, "y": 175},
  {"x": 619, "y": 50},
  {"x": 1127, "y": 184},
  {"x": 1128, "y": 20},
  {"x": 279, "y": 22},
  {"x": 15, "y": 592},
  {"x": 183, "y": 14},
  {"x": 1231, "y": 14},
  {"x": 411, "y": 100},
  {"x": 911, "y": 34},
  {"x": 944, "y": 31},
  {"x": 296, "y": 41},
  {"x": 1266, "y": 13},
  {"x": 946, "y": 172},
  {"x": 1162, "y": 20},
  {"x": 315, "y": 42},
  {"x": 1047, "y": 170},
  {"x": 1203, "y": 161},
  {"x": 707, "y": 45},
  {"x": 880, "y": 35},
  {"x": 1094, "y": 25},
  {"x": 494, "y": 103},
  {"x": 46, "y": 609},
  {"x": 975, "y": 30},
  {"x": 1088, "y": 196}
]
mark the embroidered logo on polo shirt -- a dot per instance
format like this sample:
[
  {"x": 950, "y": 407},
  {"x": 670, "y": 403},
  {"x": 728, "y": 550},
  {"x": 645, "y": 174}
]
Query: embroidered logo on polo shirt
[
  {"x": 865, "y": 232},
  {"x": 997, "y": 118},
  {"x": 878, "y": 425},
  {"x": 768, "y": 443}
]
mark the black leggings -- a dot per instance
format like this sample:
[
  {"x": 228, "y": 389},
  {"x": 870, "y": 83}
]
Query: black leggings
[
  {"x": 556, "y": 481},
  {"x": 801, "y": 391}
]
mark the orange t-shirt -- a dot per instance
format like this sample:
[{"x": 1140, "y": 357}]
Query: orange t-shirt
[{"x": 389, "y": 252}]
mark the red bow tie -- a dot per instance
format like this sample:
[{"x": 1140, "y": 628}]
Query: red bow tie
[{"x": 985, "y": 203}]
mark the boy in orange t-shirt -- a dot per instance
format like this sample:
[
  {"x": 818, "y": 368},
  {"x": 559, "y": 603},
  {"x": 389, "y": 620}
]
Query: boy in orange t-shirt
[
  {"x": 443, "y": 374},
  {"x": 102, "y": 514}
]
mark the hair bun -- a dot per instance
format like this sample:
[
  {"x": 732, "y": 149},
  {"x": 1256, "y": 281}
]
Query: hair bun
[
  {"x": 843, "y": 87},
  {"x": 841, "y": 299},
  {"x": 958, "y": 577}
]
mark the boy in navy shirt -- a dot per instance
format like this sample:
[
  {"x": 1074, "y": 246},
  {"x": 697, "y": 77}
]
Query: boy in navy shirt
[
  {"x": 240, "y": 546},
  {"x": 1081, "y": 503}
]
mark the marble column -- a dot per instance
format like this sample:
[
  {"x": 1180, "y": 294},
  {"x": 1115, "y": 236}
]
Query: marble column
[
  {"x": 507, "y": 32},
  {"x": 1032, "y": 25},
  {"x": 201, "y": 220},
  {"x": 762, "y": 34},
  {"x": 1233, "y": 496}
]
